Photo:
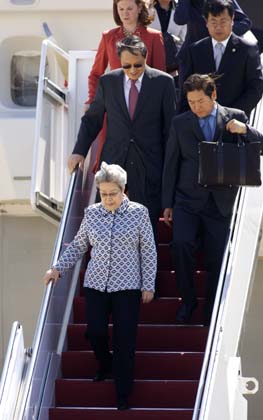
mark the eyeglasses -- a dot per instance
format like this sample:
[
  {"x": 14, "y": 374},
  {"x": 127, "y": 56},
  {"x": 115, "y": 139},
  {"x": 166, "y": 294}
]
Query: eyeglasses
[
  {"x": 129, "y": 66},
  {"x": 220, "y": 23},
  {"x": 110, "y": 195}
]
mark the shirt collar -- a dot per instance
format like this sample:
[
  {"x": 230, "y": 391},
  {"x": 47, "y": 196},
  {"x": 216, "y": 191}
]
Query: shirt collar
[
  {"x": 214, "y": 41},
  {"x": 128, "y": 81},
  {"x": 123, "y": 207},
  {"x": 213, "y": 113}
]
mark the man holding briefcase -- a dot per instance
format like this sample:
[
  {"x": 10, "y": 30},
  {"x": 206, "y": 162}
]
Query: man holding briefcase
[{"x": 192, "y": 207}]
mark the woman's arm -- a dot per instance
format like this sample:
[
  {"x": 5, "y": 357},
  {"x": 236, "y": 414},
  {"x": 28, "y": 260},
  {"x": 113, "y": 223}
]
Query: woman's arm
[
  {"x": 99, "y": 66},
  {"x": 158, "y": 53},
  {"x": 71, "y": 255}
]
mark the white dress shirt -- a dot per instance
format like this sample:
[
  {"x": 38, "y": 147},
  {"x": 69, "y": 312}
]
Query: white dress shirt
[{"x": 224, "y": 43}]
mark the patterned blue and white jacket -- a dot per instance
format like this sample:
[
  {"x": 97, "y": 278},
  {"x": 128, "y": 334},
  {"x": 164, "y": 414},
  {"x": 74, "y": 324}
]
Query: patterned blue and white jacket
[{"x": 123, "y": 254}]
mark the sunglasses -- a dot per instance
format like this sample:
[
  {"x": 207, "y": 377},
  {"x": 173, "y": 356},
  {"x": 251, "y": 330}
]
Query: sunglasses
[{"x": 129, "y": 66}]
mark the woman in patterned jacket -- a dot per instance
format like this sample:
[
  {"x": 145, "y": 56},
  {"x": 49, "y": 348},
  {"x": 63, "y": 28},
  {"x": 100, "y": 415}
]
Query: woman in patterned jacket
[{"x": 121, "y": 272}]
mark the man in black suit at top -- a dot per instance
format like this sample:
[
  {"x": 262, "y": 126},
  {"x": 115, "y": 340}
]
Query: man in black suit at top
[
  {"x": 226, "y": 54},
  {"x": 190, "y": 12},
  {"x": 135, "y": 138},
  {"x": 194, "y": 208}
]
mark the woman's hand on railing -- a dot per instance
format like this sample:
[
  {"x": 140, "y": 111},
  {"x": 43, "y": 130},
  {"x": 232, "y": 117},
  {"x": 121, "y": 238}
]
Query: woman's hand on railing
[
  {"x": 74, "y": 161},
  {"x": 52, "y": 275},
  {"x": 147, "y": 296}
]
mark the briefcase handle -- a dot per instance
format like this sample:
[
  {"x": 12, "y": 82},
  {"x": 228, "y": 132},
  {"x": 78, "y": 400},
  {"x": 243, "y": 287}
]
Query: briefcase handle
[{"x": 241, "y": 140}]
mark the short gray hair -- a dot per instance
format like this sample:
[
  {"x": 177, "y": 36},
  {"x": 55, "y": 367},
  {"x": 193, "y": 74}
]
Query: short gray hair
[{"x": 111, "y": 173}]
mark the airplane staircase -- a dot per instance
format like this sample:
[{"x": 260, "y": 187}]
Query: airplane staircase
[
  {"x": 182, "y": 372},
  {"x": 168, "y": 358}
]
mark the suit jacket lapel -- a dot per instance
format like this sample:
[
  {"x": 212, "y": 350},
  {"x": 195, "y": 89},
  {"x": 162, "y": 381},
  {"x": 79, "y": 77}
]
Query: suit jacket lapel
[
  {"x": 229, "y": 53},
  {"x": 195, "y": 126},
  {"x": 144, "y": 92},
  {"x": 121, "y": 96},
  {"x": 221, "y": 120},
  {"x": 208, "y": 54}
]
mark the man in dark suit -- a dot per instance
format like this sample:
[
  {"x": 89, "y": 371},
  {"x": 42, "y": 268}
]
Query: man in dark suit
[
  {"x": 192, "y": 207},
  {"x": 136, "y": 134},
  {"x": 225, "y": 54},
  {"x": 190, "y": 12}
]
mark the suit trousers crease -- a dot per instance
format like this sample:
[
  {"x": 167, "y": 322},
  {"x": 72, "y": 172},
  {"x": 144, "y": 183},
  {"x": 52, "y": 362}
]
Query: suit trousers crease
[
  {"x": 208, "y": 229},
  {"x": 139, "y": 188},
  {"x": 124, "y": 307}
]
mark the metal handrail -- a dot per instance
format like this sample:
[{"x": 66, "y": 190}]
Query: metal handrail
[
  {"x": 55, "y": 47},
  {"x": 68, "y": 309},
  {"x": 45, "y": 303},
  {"x": 8, "y": 356},
  {"x": 239, "y": 280},
  {"x": 214, "y": 330},
  {"x": 12, "y": 374},
  {"x": 42, "y": 82}
]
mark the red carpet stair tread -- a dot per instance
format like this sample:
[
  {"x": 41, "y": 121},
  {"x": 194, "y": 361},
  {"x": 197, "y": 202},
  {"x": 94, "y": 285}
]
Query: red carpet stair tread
[
  {"x": 112, "y": 414},
  {"x": 169, "y": 358}
]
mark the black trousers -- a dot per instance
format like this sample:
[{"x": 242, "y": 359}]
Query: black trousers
[
  {"x": 124, "y": 307},
  {"x": 154, "y": 214},
  {"x": 189, "y": 228}
]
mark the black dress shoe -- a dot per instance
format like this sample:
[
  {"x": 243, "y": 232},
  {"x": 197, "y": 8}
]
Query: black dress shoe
[
  {"x": 102, "y": 374},
  {"x": 122, "y": 404},
  {"x": 185, "y": 311}
]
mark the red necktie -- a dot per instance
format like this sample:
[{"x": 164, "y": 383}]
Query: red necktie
[{"x": 133, "y": 97}]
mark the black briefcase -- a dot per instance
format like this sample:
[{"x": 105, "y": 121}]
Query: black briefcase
[{"x": 229, "y": 164}]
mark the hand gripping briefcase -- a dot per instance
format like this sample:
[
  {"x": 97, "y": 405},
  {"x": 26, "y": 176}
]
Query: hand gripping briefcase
[{"x": 229, "y": 164}]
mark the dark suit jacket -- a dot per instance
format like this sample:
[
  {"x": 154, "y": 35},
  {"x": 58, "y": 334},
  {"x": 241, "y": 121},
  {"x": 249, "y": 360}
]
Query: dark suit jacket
[
  {"x": 180, "y": 176},
  {"x": 137, "y": 145},
  {"x": 241, "y": 84},
  {"x": 190, "y": 12}
]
